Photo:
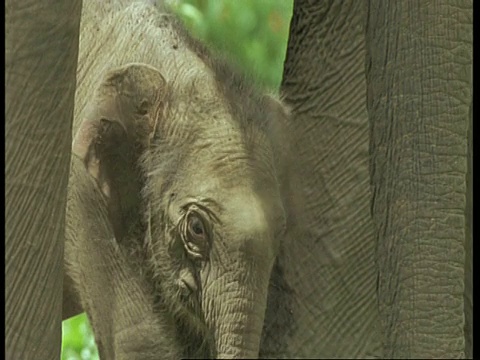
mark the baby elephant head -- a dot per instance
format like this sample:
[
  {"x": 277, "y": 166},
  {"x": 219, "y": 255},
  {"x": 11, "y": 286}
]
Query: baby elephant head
[{"x": 192, "y": 176}]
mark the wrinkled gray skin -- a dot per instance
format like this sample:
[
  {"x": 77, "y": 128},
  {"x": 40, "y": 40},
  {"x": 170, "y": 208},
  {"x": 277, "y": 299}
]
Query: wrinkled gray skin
[
  {"x": 170, "y": 143},
  {"x": 41, "y": 47},
  {"x": 380, "y": 93},
  {"x": 357, "y": 275}
]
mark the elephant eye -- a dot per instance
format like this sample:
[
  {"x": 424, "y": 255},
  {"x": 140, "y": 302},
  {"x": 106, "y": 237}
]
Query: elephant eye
[
  {"x": 195, "y": 234},
  {"x": 196, "y": 228}
]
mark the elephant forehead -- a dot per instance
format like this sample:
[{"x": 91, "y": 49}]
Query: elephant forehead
[{"x": 246, "y": 212}]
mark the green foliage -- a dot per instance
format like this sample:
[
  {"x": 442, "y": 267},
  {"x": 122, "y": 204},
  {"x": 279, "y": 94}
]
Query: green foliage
[
  {"x": 78, "y": 342},
  {"x": 253, "y": 34}
]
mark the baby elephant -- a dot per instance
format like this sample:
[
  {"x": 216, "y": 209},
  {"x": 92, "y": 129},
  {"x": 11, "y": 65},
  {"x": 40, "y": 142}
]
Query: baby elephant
[{"x": 177, "y": 193}]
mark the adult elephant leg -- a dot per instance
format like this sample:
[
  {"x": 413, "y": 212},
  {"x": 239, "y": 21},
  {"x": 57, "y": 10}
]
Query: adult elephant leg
[
  {"x": 419, "y": 73},
  {"x": 71, "y": 300},
  {"x": 468, "y": 296},
  {"x": 40, "y": 58},
  {"x": 322, "y": 299}
]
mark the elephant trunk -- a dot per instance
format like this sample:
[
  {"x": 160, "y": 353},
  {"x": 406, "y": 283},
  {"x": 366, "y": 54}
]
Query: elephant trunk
[
  {"x": 238, "y": 335},
  {"x": 235, "y": 308}
]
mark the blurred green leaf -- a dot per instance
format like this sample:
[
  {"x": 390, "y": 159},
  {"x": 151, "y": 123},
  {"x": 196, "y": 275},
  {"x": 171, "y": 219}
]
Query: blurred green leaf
[
  {"x": 78, "y": 341},
  {"x": 252, "y": 33}
]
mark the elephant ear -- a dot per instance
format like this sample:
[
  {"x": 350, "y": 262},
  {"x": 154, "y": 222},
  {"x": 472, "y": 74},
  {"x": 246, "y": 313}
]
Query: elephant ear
[{"x": 116, "y": 132}]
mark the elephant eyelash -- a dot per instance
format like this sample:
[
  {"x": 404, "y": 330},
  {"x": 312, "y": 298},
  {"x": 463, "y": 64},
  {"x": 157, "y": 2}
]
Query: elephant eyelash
[{"x": 182, "y": 229}]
